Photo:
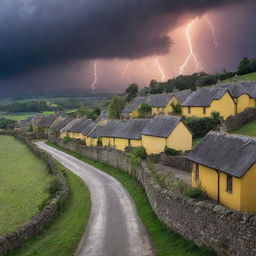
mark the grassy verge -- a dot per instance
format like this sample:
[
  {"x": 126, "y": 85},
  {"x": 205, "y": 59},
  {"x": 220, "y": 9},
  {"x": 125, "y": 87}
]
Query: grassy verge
[
  {"x": 24, "y": 184},
  {"x": 247, "y": 77},
  {"x": 248, "y": 129},
  {"x": 167, "y": 243},
  {"x": 64, "y": 233}
]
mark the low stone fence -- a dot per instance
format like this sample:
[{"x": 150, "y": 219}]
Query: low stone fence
[
  {"x": 224, "y": 230},
  {"x": 35, "y": 227},
  {"x": 178, "y": 162},
  {"x": 235, "y": 122}
]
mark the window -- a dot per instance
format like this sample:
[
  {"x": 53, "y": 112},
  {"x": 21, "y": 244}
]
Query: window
[
  {"x": 204, "y": 110},
  {"x": 229, "y": 183},
  {"x": 197, "y": 172},
  {"x": 189, "y": 110}
]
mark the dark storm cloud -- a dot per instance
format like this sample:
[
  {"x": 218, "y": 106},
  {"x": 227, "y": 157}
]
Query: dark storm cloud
[{"x": 35, "y": 33}]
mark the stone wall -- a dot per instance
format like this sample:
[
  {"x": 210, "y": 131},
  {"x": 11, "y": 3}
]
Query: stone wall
[
  {"x": 226, "y": 231},
  {"x": 35, "y": 227},
  {"x": 178, "y": 162},
  {"x": 235, "y": 122}
]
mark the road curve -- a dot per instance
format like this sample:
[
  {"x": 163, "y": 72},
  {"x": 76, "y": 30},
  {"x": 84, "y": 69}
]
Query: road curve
[{"x": 114, "y": 228}]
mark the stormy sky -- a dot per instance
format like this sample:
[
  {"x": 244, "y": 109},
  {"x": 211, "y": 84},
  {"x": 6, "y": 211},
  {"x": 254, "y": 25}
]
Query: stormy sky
[{"x": 49, "y": 46}]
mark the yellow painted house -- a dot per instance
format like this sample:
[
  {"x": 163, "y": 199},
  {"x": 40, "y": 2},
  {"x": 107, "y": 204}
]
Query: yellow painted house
[
  {"x": 118, "y": 134},
  {"x": 203, "y": 102},
  {"x": 225, "y": 167},
  {"x": 243, "y": 93},
  {"x": 44, "y": 123},
  {"x": 166, "y": 131},
  {"x": 78, "y": 128},
  {"x": 160, "y": 104}
]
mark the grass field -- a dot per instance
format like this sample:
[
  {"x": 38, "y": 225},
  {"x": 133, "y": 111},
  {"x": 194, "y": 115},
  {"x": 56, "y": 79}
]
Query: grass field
[
  {"x": 166, "y": 242},
  {"x": 248, "y": 129},
  {"x": 22, "y": 115},
  {"x": 24, "y": 183},
  {"x": 247, "y": 77},
  {"x": 64, "y": 233}
]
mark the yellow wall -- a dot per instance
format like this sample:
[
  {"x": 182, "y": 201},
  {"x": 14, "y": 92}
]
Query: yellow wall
[
  {"x": 208, "y": 179},
  {"x": 108, "y": 142},
  {"x": 243, "y": 102},
  {"x": 121, "y": 144},
  {"x": 180, "y": 138},
  {"x": 157, "y": 111},
  {"x": 153, "y": 145},
  {"x": 225, "y": 106},
  {"x": 135, "y": 143},
  {"x": 242, "y": 197},
  {"x": 252, "y": 103},
  {"x": 248, "y": 199},
  {"x": 166, "y": 110}
]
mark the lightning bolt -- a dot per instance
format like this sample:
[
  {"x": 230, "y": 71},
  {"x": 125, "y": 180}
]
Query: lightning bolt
[
  {"x": 163, "y": 77},
  {"x": 191, "y": 52},
  {"x": 125, "y": 70},
  {"x": 95, "y": 75},
  {"x": 212, "y": 29}
]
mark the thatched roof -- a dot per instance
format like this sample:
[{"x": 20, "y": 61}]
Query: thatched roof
[
  {"x": 87, "y": 127},
  {"x": 154, "y": 100},
  {"x": 238, "y": 89},
  {"x": 133, "y": 105},
  {"x": 231, "y": 154},
  {"x": 159, "y": 100},
  {"x": 47, "y": 121},
  {"x": 204, "y": 97},
  {"x": 61, "y": 123},
  {"x": 161, "y": 126},
  {"x": 121, "y": 129},
  {"x": 182, "y": 95}
]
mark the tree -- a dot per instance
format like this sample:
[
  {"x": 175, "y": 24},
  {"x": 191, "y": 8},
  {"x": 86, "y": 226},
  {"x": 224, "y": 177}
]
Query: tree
[
  {"x": 253, "y": 65},
  {"x": 132, "y": 92},
  {"x": 115, "y": 108},
  {"x": 244, "y": 66},
  {"x": 82, "y": 110},
  {"x": 144, "y": 110}
]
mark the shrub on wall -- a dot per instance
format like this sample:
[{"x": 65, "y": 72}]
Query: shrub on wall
[
  {"x": 201, "y": 126},
  {"x": 172, "y": 152}
]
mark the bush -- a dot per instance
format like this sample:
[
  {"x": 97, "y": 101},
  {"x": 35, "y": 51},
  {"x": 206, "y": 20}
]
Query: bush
[
  {"x": 196, "y": 193},
  {"x": 176, "y": 108},
  {"x": 201, "y": 126},
  {"x": 67, "y": 139},
  {"x": 99, "y": 142},
  {"x": 140, "y": 152},
  {"x": 172, "y": 152},
  {"x": 144, "y": 110}
]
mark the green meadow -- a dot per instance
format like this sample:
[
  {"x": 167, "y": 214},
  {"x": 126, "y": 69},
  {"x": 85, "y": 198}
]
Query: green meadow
[{"x": 24, "y": 184}]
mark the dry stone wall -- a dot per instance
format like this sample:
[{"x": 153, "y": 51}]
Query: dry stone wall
[
  {"x": 35, "y": 227},
  {"x": 235, "y": 122},
  {"x": 228, "y": 232}
]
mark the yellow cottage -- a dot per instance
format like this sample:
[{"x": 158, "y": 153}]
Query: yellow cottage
[
  {"x": 166, "y": 131},
  {"x": 118, "y": 134},
  {"x": 44, "y": 123},
  {"x": 225, "y": 167},
  {"x": 160, "y": 104},
  {"x": 244, "y": 95},
  {"x": 203, "y": 102}
]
